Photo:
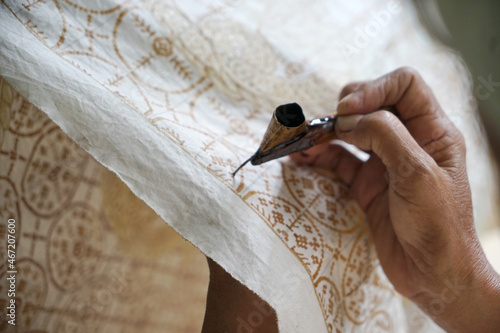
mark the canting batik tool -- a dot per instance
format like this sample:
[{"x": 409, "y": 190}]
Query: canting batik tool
[{"x": 289, "y": 132}]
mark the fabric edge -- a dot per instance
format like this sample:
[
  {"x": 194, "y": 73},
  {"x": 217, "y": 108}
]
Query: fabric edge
[{"x": 108, "y": 149}]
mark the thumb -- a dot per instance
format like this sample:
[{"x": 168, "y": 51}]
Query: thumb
[{"x": 382, "y": 133}]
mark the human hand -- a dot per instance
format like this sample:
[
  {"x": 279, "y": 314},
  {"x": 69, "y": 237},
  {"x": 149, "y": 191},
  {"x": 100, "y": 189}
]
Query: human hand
[{"x": 415, "y": 193}]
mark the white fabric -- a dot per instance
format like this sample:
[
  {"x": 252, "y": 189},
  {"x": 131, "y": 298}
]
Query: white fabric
[{"x": 207, "y": 213}]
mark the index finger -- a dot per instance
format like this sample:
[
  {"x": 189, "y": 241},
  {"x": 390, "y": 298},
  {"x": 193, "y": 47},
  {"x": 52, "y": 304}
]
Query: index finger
[
  {"x": 414, "y": 102},
  {"x": 403, "y": 88}
]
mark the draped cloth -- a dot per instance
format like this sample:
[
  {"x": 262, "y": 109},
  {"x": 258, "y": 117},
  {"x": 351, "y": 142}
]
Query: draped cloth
[
  {"x": 85, "y": 244},
  {"x": 173, "y": 95}
]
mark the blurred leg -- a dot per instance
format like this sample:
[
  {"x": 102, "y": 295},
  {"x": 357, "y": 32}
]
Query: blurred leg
[{"x": 232, "y": 307}]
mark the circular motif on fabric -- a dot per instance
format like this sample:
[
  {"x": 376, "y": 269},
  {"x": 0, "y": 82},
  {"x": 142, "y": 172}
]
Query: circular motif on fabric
[
  {"x": 327, "y": 187},
  {"x": 162, "y": 46},
  {"x": 88, "y": 304},
  {"x": 357, "y": 291},
  {"x": 327, "y": 201},
  {"x": 379, "y": 321},
  {"x": 96, "y": 6},
  {"x": 52, "y": 174},
  {"x": 328, "y": 296},
  {"x": 299, "y": 233},
  {"x": 27, "y": 119},
  {"x": 152, "y": 46},
  {"x": 75, "y": 246},
  {"x": 17, "y": 114}
]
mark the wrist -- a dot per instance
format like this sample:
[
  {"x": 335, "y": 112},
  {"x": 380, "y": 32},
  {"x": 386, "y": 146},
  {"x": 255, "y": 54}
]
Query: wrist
[
  {"x": 483, "y": 307},
  {"x": 469, "y": 302}
]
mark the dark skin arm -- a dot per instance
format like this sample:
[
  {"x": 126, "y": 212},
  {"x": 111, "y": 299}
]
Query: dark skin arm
[{"x": 232, "y": 307}]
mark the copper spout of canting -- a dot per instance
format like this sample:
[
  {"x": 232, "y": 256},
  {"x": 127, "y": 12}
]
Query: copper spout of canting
[{"x": 289, "y": 132}]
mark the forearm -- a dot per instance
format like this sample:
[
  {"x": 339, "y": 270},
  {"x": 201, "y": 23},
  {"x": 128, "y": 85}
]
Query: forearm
[
  {"x": 479, "y": 309},
  {"x": 232, "y": 307},
  {"x": 466, "y": 302}
]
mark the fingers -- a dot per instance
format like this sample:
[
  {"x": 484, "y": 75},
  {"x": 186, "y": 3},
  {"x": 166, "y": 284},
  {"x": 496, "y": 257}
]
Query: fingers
[
  {"x": 389, "y": 250},
  {"x": 404, "y": 88},
  {"x": 417, "y": 107},
  {"x": 384, "y": 134},
  {"x": 349, "y": 89},
  {"x": 370, "y": 181},
  {"x": 333, "y": 157}
]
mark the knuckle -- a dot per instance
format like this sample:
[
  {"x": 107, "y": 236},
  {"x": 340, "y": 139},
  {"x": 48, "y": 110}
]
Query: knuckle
[
  {"x": 379, "y": 126},
  {"x": 407, "y": 71},
  {"x": 349, "y": 88},
  {"x": 382, "y": 119},
  {"x": 362, "y": 86},
  {"x": 450, "y": 143},
  {"x": 424, "y": 170}
]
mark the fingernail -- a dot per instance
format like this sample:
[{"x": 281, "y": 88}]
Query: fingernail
[{"x": 348, "y": 123}]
